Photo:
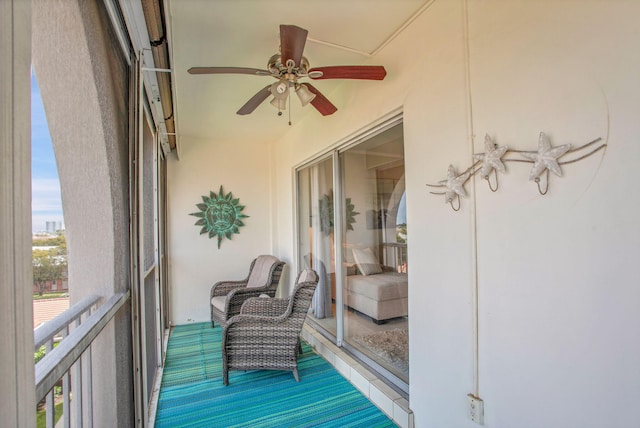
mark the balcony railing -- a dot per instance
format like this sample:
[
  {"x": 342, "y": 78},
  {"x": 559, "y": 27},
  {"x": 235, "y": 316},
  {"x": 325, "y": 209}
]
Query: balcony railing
[
  {"x": 79, "y": 326},
  {"x": 395, "y": 255}
]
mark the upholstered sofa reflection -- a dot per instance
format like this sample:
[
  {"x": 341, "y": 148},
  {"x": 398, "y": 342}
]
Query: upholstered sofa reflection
[{"x": 380, "y": 292}]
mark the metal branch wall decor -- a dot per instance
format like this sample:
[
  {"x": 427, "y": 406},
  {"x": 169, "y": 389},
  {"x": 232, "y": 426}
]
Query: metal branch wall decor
[
  {"x": 489, "y": 163},
  {"x": 220, "y": 215}
]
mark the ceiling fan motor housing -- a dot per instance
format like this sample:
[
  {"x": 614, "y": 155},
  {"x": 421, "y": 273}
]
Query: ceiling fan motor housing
[{"x": 278, "y": 69}]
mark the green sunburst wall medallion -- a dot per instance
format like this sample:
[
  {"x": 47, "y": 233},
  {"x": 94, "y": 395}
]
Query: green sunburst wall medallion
[
  {"x": 220, "y": 215},
  {"x": 326, "y": 213}
]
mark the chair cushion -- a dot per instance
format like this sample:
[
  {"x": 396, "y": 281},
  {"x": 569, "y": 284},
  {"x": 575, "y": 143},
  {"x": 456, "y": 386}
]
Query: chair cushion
[
  {"x": 306, "y": 275},
  {"x": 367, "y": 261},
  {"x": 260, "y": 272},
  {"x": 218, "y": 302}
]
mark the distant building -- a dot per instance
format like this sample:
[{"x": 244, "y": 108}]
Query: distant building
[
  {"x": 53, "y": 226},
  {"x": 52, "y": 286}
]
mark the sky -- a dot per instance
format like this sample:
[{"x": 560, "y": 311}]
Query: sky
[{"x": 46, "y": 203}]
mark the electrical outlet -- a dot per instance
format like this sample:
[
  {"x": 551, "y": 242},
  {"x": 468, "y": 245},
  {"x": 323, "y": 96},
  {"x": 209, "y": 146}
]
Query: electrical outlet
[{"x": 476, "y": 409}]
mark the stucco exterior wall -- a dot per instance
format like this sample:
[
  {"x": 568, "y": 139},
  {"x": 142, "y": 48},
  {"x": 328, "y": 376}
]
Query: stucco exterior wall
[
  {"x": 84, "y": 84},
  {"x": 17, "y": 399}
]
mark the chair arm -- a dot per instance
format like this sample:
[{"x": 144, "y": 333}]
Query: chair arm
[
  {"x": 236, "y": 297},
  {"x": 223, "y": 288},
  {"x": 262, "y": 306}
]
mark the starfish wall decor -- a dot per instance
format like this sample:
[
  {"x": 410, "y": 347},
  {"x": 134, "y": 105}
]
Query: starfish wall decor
[{"x": 489, "y": 163}]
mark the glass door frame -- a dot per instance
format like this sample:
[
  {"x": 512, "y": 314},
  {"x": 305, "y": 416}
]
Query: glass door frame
[{"x": 393, "y": 119}]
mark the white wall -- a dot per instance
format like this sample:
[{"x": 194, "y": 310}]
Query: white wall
[
  {"x": 195, "y": 262},
  {"x": 557, "y": 289},
  {"x": 558, "y": 324},
  {"x": 558, "y": 293}
]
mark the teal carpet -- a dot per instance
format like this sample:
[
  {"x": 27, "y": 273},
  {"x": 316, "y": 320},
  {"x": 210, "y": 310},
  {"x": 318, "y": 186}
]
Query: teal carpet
[{"x": 192, "y": 393}]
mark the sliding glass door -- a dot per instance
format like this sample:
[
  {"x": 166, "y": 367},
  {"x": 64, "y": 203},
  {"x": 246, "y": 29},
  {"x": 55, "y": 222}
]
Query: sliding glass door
[
  {"x": 352, "y": 202},
  {"x": 374, "y": 283},
  {"x": 317, "y": 236}
]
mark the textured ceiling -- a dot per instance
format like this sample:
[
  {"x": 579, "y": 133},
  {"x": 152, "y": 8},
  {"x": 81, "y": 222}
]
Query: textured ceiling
[{"x": 245, "y": 33}]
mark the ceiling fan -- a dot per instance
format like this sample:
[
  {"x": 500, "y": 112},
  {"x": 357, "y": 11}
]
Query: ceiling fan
[{"x": 288, "y": 67}]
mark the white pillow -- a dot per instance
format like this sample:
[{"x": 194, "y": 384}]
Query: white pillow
[{"x": 367, "y": 261}]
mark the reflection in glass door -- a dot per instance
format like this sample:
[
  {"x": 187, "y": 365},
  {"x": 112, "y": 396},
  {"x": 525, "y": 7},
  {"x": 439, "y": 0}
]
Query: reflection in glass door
[
  {"x": 375, "y": 285},
  {"x": 316, "y": 238},
  {"x": 361, "y": 301}
]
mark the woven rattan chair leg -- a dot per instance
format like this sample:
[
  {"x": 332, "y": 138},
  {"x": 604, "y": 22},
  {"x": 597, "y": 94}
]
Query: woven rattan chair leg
[
  {"x": 225, "y": 377},
  {"x": 299, "y": 347},
  {"x": 295, "y": 374}
]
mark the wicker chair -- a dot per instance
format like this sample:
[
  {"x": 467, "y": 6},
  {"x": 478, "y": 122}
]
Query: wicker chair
[
  {"x": 227, "y": 297},
  {"x": 266, "y": 334}
]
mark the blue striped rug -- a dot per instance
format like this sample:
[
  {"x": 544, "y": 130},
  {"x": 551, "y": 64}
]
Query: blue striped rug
[{"x": 192, "y": 393}]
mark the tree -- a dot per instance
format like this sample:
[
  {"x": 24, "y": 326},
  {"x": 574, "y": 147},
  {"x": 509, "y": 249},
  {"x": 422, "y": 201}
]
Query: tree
[
  {"x": 53, "y": 241},
  {"x": 48, "y": 265}
]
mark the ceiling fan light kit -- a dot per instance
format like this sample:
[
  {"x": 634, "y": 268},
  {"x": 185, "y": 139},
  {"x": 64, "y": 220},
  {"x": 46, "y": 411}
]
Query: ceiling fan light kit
[
  {"x": 290, "y": 65},
  {"x": 279, "y": 103},
  {"x": 304, "y": 94},
  {"x": 280, "y": 90}
]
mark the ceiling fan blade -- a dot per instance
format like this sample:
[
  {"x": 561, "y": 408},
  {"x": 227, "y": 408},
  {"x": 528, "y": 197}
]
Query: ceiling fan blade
[
  {"x": 228, "y": 70},
  {"x": 321, "y": 103},
  {"x": 255, "y": 101},
  {"x": 292, "y": 41},
  {"x": 368, "y": 72}
]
